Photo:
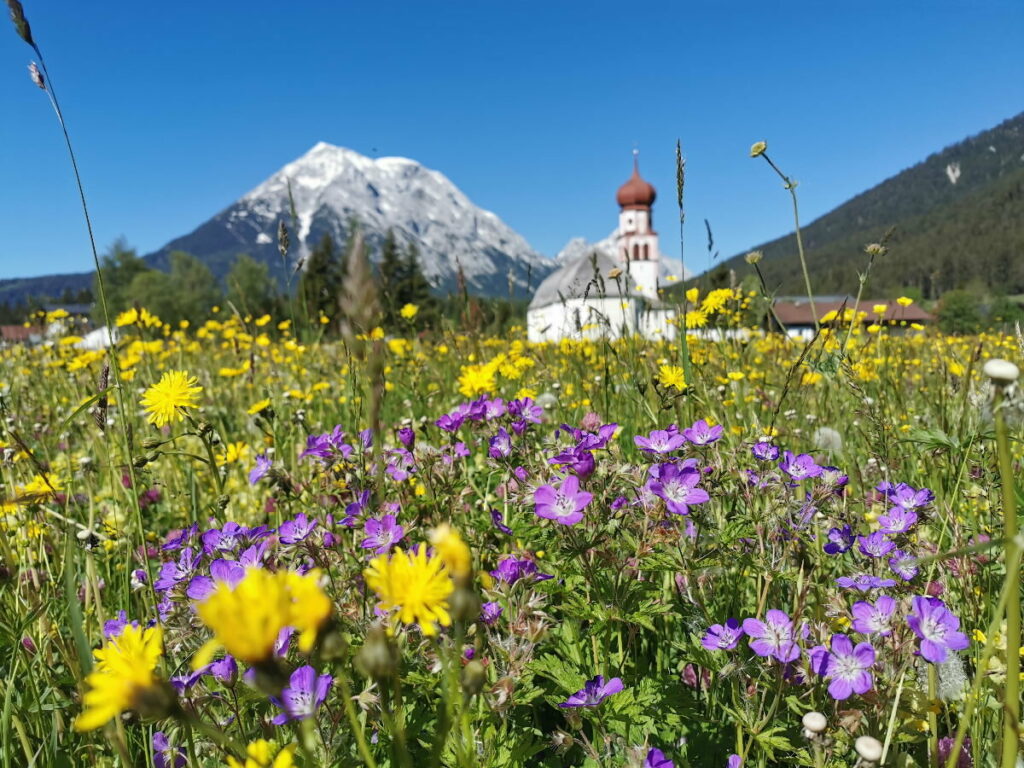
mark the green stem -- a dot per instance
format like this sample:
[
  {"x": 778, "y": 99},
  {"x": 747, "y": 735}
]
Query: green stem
[
  {"x": 791, "y": 188},
  {"x": 353, "y": 721}
]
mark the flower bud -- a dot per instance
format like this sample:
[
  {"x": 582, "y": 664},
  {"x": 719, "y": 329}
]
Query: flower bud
[
  {"x": 473, "y": 678},
  {"x": 869, "y": 749},
  {"x": 814, "y": 723},
  {"x": 378, "y": 658},
  {"x": 753, "y": 257}
]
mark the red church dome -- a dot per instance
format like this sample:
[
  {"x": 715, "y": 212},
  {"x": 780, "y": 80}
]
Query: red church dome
[{"x": 636, "y": 193}]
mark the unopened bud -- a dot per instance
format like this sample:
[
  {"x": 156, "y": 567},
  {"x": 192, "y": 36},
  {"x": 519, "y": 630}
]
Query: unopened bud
[
  {"x": 1002, "y": 372},
  {"x": 156, "y": 702},
  {"x": 464, "y": 604},
  {"x": 753, "y": 257},
  {"x": 473, "y": 678},
  {"x": 378, "y": 658},
  {"x": 869, "y": 749},
  {"x": 151, "y": 442}
]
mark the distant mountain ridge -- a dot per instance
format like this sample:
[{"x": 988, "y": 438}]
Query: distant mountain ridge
[
  {"x": 957, "y": 219},
  {"x": 333, "y": 187}
]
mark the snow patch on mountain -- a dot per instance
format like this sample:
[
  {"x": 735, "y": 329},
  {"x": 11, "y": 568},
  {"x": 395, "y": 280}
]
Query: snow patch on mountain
[{"x": 671, "y": 269}]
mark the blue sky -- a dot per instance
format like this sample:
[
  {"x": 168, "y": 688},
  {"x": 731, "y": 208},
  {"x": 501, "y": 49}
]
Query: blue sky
[{"x": 531, "y": 108}]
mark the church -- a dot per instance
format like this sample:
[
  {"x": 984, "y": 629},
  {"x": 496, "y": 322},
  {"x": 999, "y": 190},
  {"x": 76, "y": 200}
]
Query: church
[{"x": 599, "y": 294}]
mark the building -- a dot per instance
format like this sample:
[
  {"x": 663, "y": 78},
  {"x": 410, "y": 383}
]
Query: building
[
  {"x": 795, "y": 314},
  {"x": 596, "y": 295}
]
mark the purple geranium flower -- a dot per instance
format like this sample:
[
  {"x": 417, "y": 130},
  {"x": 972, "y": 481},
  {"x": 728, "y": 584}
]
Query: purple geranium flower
[
  {"x": 897, "y": 520},
  {"x": 903, "y": 564},
  {"x": 839, "y": 540},
  {"x": 490, "y": 613},
  {"x": 702, "y": 433},
  {"x": 593, "y": 693},
  {"x": 115, "y": 627},
  {"x": 354, "y": 509},
  {"x": 564, "y": 504},
  {"x": 656, "y": 759},
  {"x": 225, "y": 670},
  {"x": 407, "y": 437},
  {"x": 677, "y": 487},
  {"x": 906, "y": 497},
  {"x": 382, "y": 534},
  {"x": 774, "y": 637},
  {"x": 181, "y": 538},
  {"x": 165, "y": 755},
  {"x": 937, "y": 627},
  {"x": 874, "y": 618},
  {"x": 875, "y": 545},
  {"x": 263, "y": 465},
  {"x": 500, "y": 446},
  {"x": 765, "y": 451},
  {"x": 511, "y": 569},
  {"x": 722, "y": 637},
  {"x": 305, "y": 692},
  {"x": 661, "y": 441},
  {"x": 297, "y": 530},
  {"x": 848, "y": 667},
  {"x": 863, "y": 582},
  {"x": 498, "y": 520},
  {"x": 173, "y": 573},
  {"x": 799, "y": 467}
]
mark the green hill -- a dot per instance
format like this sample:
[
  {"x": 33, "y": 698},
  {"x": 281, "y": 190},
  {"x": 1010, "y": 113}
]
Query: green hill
[{"x": 957, "y": 220}]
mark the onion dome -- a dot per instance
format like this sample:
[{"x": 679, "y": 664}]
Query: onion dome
[{"x": 636, "y": 193}]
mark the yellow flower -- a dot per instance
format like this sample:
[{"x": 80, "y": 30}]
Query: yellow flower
[
  {"x": 409, "y": 311},
  {"x": 758, "y": 148},
  {"x": 415, "y": 586},
  {"x": 448, "y": 543},
  {"x": 258, "y": 407},
  {"x": 164, "y": 400},
  {"x": 880, "y": 309},
  {"x": 698, "y": 318},
  {"x": 265, "y": 754},
  {"x": 246, "y": 619},
  {"x": 903, "y": 301},
  {"x": 124, "y": 669},
  {"x": 262, "y": 320},
  {"x": 672, "y": 376},
  {"x": 235, "y": 452},
  {"x": 736, "y": 375},
  {"x": 692, "y": 295}
]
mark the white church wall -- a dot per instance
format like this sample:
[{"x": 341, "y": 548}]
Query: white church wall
[{"x": 593, "y": 318}]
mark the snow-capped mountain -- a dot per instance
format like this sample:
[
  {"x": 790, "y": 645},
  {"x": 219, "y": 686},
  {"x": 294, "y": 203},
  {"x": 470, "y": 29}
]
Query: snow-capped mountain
[
  {"x": 671, "y": 269},
  {"x": 332, "y": 187}
]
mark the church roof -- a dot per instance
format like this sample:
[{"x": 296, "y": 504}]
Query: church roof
[
  {"x": 636, "y": 193},
  {"x": 582, "y": 278}
]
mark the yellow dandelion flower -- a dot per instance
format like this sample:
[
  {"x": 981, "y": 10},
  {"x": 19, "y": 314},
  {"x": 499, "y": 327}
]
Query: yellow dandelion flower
[
  {"x": 123, "y": 671},
  {"x": 880, "y": 309},
  {"x": 247, "y": 618},
  {"x": 259, "y": 407},
  {"x": 672, "y": 376},
  {"x": 414, "y": 585},
  {"x": 262, "y": 320},
  {"x": 904, "y": 301},
  {"x": 265, "y": 754},
  {"x": 448, "y": 543},
  {"x": 698, "y": 318},
  {"x": 165, "y": 400},
  {"x": 409, "y": 311}
]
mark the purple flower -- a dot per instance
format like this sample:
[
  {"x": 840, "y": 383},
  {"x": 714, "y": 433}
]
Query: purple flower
[
  {"x": 407, "y": 437},
  {"x": 839, "y": 540},
  {"x": 490, "y": 613},
  {"x": 297, "y": 530},
  {"x": 181, "y": 538},
  {"x": 937, "y": 627},
  {"x": 677, "y": 487},
  {"x": 903, "y": 564},
  {"x": 661, "y": 441},
  {"x": 774, "y": 637},
  {"x": 225, "y": 670},
  {"x": 263, "y": 465},
  {"x": 355, "y": 509},
  {"x": 526, "y": 410},
  {"x": 165, "y": 755},
  {"x": 564, "y": 504},
  {"x": 511, "y": 569},
  {"x": 765, "y": 451},
  {"x": 963, "y": 760},
  {"x": 734, "y": 761},
  {"x": 227, "y": 571},
  {"x": 701, "y": 433},
  {"x": 863, "y": 582},
  {"x": 593, "y": 693},
  {"x": 173, "y": 573},
  {"x": 382, "y": 534},
  {"x": 799, "y": 467},
  {"x": 897, "y": 520},
  {"x": 500, "y": 444},
  {"x": 498, "y": 520},
  {"x": 224, "y": 539},
  {"x": 834, "y": 479},
  {"x": 450, "y": 422},
  {"x": 656, "y": 759},
  {"x": 906, "y": 497},
  {"x": 305, "y": 692},
  {"x": 722, "y": 637},
  {"x": 875, "y": 545},
  {"x": 848, "y": 667},
  {"x": 400, "y": 465},
  {"x": 874, "y": 618},
  {"x": 115, "y": 627}
]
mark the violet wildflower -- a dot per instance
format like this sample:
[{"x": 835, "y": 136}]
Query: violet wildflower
[
  {"x": 963, "y": 760},
  {"x": 490, "y": 613},
  {"x": 382, "y": 534},
  {"x": 526, "y": 410},
  {"x": 498, "y": 520},
  {"x": 180, "y": 538},
  {"x": 114, "y": 627},
  {"x": 511, "y": 569},
  {"x": 875, "y": 545},
  {"x": 225, "y": 670},
  {"x": 401, "y": 465},
  {"x": 702, "y": 433},
  {"x": 903, "y": 564},
  {"x": 656, "y": 759},
  {"x": 257, "y": 473},
  {"x": 593, "y": 692},
  {"x": 774, "y": 637},
  {"x": 897, "y": 520},
  {"x": 564, "y": 504},
  {"x": 906, "y": 497},
  {"x": 864, "y": 582},
  {"x": 354, "y": 509},
  {"x": 874, "y": 618},
  {"x": 661, "y": 441},
  {"x": 297, "y": 530},
  {"x": 849, "y": 668},
  {"x": 225, "y": 538},
  {"x": 226, "y": 571},
  {"x": 723, "y": 637},
  {"x": 304, "y": 694},
  {"x": 677, "y": 487},
  {"x": 839, "y": 540},
  {"x": 799, "y": 467},
  {"x": 734, "y": 761},
  {"x": 765, "y": 451},
  {"x": 450, "y": 422},
  {"x": 937, "y": 627},
  {"x": 500, "y": 446},
  {"x": 165, "y": 755},
  {"x": 173, "y": 573},
  {"x": 407, "y": 437},
  {"x": 834, "y": 479}
]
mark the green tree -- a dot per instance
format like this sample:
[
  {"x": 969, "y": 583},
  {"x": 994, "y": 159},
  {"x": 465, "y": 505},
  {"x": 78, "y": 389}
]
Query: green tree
[
  {"x": 959, "y": 313},
  {"x": 250, "y": 288},
  {"x": 320, "y": 283},
  {"x": 188, "y": 292},
  {"x": 391, "y": 275},
  {"x": 119, "y": 268}
]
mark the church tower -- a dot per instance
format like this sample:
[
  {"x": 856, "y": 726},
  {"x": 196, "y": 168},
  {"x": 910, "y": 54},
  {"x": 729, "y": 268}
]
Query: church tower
[{"x": 637, "y": 242}]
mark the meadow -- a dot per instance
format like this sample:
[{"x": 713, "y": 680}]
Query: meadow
[{"x": 235, "y": 545}]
